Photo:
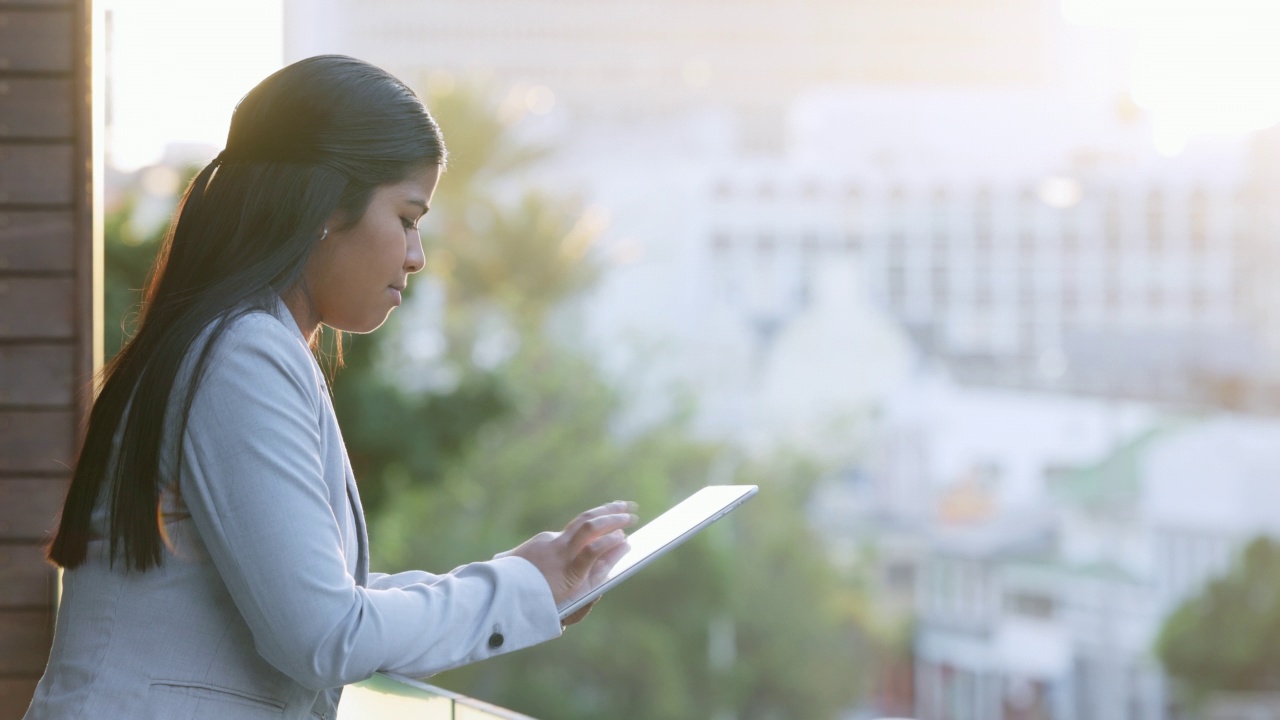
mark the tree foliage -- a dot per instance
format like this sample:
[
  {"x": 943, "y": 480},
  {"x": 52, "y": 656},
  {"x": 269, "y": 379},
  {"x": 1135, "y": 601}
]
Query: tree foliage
[
  {"x": 128, "y": 255},
  {"x": 759, "y": 577},
  {"x": 1227, "y": 638},
  {"x": 748, "y": 620}
]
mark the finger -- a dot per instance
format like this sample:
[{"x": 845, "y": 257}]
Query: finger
[
  {"x": 584, "y": 560},
  {"x": 597, "y": 527},
  {"x": 578, "y": 615},
  {"x": 618, "y": 506},
  {"x": 603, "y": 564},
  {"x": 605, "y": 543}
]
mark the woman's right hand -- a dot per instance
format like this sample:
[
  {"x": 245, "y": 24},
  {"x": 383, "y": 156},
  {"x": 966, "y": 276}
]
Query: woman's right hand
[{"x": 568, "y": 559}]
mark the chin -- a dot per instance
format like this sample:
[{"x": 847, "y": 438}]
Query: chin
[{"x": 363, "y": 326}]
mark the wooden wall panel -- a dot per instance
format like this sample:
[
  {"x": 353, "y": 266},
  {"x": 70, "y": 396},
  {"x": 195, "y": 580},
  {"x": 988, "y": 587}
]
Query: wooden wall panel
[
  {"x": 48, "y": 304},
  {"x": 25, "y": 636},
  {"x": 37, "y": 174},
  {"x": 31, "y": 506},
  {"x": 31, "y": 579},
  {"x": 41, "y": 375},
  {"x": 37, "y": 241},
  {"x": 37, "y": 308},
  {"x": 35, "y": 109},
  {"x": 16, "y": 693},
  {"x": 36, "y": 441},
  {"x": 39, "y": 41}
]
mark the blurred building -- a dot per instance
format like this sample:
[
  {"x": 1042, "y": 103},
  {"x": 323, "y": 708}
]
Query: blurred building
[
  {"x": 632, "y": 62},
  {"x": 963, "y": 181},
  {"x": 1028, "y": 240},
  {"x": 1055, "y": 616},
  {"x": 1262, "y": 206},
  {"x": 851, "y": 184}
]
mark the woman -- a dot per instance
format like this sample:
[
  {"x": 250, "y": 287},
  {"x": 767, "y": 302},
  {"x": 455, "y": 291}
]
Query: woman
[{"x": 214, "y": 545}]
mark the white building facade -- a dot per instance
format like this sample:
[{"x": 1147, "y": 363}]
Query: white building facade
[{"x": 1059, "y": 619}]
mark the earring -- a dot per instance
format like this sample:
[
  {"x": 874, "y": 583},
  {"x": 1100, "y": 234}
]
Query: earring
[{"x": 324, "y": 233}]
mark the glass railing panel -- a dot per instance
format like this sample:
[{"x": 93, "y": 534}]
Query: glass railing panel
[
  {"x": 387, "y": 698},
  {"x": 381, "y": 698}
]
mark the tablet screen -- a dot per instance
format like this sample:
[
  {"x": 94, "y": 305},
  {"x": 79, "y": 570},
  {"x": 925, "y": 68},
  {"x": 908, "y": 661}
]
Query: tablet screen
[{"x": 665, "y": 532}]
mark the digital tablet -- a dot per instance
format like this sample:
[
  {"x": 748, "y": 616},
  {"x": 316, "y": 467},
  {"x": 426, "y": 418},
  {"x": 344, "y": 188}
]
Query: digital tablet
[{"x": 663, "y": 533}]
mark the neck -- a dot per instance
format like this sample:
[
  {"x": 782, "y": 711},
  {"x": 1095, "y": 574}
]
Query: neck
[{"x": 303, "y": 311}]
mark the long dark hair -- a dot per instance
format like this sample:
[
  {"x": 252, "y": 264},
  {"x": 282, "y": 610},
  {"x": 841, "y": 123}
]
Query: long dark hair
[{"x": 313, "y": 139}]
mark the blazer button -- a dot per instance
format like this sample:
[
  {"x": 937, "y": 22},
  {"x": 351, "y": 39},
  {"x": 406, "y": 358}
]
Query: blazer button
[{"x": 496, "y": 640}]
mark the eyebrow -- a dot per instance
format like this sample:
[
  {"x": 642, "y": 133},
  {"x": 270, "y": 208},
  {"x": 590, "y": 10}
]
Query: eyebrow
[{"x": 420, "y": 203}]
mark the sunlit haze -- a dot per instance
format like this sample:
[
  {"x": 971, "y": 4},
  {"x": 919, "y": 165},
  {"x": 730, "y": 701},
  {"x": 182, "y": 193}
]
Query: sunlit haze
[
  {"x": 177, "y": 70},
  {"x": 1201, "y": 67}
]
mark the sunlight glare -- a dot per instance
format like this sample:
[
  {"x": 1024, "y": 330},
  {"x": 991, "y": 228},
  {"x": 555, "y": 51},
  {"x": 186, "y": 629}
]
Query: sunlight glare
[
  {"x": 177, "y": 70},
  {"x": 1200, "y": 67}
]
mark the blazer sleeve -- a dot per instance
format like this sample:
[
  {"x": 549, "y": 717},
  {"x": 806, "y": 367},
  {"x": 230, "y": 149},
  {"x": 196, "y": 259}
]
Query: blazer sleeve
[
  {"x": 382, "y": 581},
  {"x": 252, "y": 477}
]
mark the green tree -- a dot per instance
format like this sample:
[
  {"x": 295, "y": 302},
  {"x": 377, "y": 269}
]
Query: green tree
[
  {"x": 644, "y": 652},
  {"x": 1227, "y": 638},
  {"x": 750, "y": 619},
  {"x": 127, "y": 258}
]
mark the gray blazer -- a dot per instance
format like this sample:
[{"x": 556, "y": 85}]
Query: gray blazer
[{"x": 264, "y": 606}]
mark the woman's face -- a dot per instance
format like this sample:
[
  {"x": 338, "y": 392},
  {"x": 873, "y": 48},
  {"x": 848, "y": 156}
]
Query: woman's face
[{"x": 356, "y": 274}]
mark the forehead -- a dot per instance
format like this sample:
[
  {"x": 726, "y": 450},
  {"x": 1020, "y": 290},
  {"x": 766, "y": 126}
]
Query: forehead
[{"x": 420, "y": 184}]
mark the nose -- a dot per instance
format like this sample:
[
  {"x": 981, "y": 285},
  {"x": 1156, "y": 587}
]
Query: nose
[{"x": 415, "y": 257}]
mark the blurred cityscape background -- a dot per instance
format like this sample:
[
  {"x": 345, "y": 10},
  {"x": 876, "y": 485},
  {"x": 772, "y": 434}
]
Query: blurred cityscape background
[{"x": 981, "y": 292}]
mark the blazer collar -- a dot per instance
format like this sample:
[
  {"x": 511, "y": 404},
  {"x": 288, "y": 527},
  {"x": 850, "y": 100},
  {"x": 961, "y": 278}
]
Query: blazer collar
[{"x": 280, "y": 310}]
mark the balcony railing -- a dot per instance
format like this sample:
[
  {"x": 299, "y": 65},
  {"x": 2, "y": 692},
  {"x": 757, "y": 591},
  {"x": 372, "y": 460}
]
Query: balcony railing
[{"x": 385, "y": 698}]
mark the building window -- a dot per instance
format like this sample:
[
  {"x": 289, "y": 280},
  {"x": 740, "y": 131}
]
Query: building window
[
  {"x": 1070, "y": 243},
  {"x": 1030, "y": 605},
  {"x": 941, "y": 286},
  {"x": 939, "y": 242},
  {"x": 1199, "y": 303},
  {"x": 1155, "y": 222},
  {"x": 982, "y": 238},
  {"x": 982, "y": 291},
  {"x": 1113, "y": 225},
  {"x": 1027, "y": 242},
  {"x": 897, "y": 286},
  {"x": 900, "y": 577},
  {"x": 1070, "y": 300},
  {"x": 1199, "y": 220}
]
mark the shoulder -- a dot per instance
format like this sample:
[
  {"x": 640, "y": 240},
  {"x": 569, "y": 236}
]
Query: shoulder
[{"x": 256, "y": 347}]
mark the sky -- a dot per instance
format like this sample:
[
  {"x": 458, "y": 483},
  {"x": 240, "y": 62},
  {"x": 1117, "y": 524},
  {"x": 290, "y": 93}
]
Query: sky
[
  {"x": 177, "y": 70},
  {"x": 1198, "y": 66}
]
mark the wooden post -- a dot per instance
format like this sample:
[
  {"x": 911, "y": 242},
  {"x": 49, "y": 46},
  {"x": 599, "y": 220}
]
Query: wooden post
[{"x": 49, "y": 300}]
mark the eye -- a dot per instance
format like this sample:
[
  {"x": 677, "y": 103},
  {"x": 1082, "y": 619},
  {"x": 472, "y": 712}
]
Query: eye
[{"x": 408, "y": 224}]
